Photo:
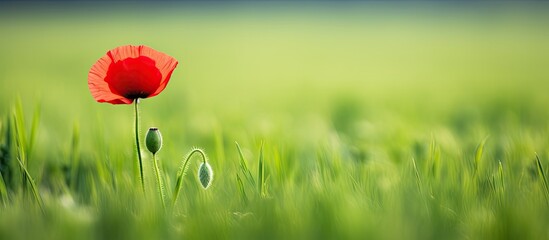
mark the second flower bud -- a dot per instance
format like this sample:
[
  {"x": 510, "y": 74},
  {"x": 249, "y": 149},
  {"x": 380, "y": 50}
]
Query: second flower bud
[{"x": 153, "y": 140}]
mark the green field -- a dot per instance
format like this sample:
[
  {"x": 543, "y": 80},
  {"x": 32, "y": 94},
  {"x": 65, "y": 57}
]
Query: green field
[{"x": 378, "y": 121}]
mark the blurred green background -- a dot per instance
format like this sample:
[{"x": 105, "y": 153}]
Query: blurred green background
[
  {"x": 263, "y": 61},
  {"x": 330, "y": 88}
]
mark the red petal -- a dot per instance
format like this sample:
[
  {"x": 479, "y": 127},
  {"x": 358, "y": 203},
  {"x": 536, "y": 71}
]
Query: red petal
[
  {"x": 99, "y": 88},
  {"x": 123, "y": 52},
  {"x": 165, "y": 64}
]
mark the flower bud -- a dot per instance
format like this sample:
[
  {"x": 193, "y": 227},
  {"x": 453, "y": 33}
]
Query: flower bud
[
  {"x": 153, "y": 140},
  {"x": 205, "y": 174}
]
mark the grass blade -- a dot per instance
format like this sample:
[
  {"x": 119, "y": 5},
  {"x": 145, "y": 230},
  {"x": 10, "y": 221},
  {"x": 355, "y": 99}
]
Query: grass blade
[
  {"x": 3, "y": 189},
  {"x": 21, "y": 153},
  {"x": 418, "y": 178},
  {"x": 20, "y": 146},
  {"x": 33, "y": 130},
  {"x": 543, "y": 176},
  {"x": 20, "y": 127},
  {"x": 501, "y": 177},
  {"x": 75, "y": 160},
  {"x": 260, "y": 171},
  {"x": 33, "y": 185},
  {"x": 241, "y": 189},
  {"x": 244, "y": 167},
  {"x": 6, "y": 151},
  {"x": 435, "y": 158},
  {"x": 478, "y": 155},
  {"x": 419, "y": 185}
]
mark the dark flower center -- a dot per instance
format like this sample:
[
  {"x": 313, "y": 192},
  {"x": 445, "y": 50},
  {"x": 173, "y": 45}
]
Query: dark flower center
[{"x": 134, "y": 78}]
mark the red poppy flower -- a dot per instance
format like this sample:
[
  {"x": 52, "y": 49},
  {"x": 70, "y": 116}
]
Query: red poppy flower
[{"x": 130, "y": 72}]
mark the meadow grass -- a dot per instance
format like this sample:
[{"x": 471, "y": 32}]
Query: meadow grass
[{"x": 319, "y": 122}]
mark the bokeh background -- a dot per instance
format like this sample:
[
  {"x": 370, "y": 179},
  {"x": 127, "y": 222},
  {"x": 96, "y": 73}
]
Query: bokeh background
[
  {"x": 263, "y": 67},
  {"x": 366, "y": 81}
]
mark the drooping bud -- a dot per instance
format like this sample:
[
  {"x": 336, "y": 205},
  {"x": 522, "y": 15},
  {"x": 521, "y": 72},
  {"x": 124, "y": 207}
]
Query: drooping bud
[
  {"x": 153, "y": 140},
  {"x": 205, "y": 174}
]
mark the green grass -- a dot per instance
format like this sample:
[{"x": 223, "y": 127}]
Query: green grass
[{"x": 408, "y": 121}]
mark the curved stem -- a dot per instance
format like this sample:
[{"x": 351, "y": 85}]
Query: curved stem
[
  {"x": 182, "y": 171},
  {"x": 160, "y": 182},
  {"x": 137, "y": 146}
]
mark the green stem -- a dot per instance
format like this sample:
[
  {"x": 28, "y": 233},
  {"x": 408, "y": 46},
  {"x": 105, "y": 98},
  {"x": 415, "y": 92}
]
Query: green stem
[
  {"x": 137, "y": 146},
  {"x": 182, "y": 170},
  {"x": 160, "y": 182}
]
